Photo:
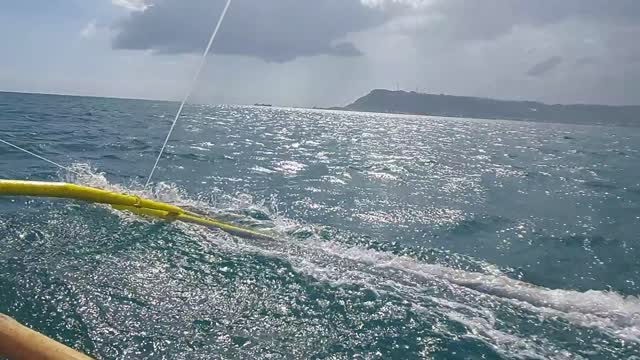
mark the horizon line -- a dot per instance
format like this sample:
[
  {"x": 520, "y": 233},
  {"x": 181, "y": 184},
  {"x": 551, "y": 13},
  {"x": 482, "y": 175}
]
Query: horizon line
[{"x": 306, "y": 106}]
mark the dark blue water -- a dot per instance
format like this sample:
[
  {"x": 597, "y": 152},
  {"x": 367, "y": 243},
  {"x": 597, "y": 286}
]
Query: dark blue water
[{"x": 399, "y": 236}]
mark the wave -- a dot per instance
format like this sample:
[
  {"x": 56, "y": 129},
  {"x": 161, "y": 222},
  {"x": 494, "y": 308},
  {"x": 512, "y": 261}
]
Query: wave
[{"x": 336, "y": 263}]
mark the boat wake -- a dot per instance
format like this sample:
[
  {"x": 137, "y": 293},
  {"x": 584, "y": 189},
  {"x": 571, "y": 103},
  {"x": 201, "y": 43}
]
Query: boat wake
[{"x": 480, "y": 299}]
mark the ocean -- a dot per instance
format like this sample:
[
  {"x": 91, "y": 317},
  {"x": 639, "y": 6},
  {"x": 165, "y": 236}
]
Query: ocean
[{"x": 399, "y": 237}]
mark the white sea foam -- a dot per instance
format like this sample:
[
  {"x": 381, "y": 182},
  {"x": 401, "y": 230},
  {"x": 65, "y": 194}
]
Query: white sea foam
[
  {"x": 382, "y": 176},
  {"x": 289, "y": 167},
  {"x": 608, "y": 311},
  {"x": 262, "y": 170},
  {"x": 337, "y": 263}
]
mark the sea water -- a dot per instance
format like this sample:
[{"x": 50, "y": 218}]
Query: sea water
[{"x": 397, "y": 236}]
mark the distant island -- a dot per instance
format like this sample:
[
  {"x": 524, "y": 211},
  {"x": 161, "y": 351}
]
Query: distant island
[{"x": 410, "y": 102}]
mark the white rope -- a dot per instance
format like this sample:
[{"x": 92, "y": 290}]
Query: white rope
[
  {"x": 190, "y": 90},
  {"x": 39, "y": 157}
]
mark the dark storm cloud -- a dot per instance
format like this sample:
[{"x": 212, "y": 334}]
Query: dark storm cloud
[
  {"x": 282, "y": 30},
  {"x": 581, "y": 50},
  {"x": 544, "y": 67},
  {"x": 511, "y": 32},
  {"x": 586, "y": 61},
  {"x": 274, "y": 30}
]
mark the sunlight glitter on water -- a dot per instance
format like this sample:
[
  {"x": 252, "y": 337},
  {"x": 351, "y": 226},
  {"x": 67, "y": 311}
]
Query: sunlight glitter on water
[{"x": 491, "y": 238}]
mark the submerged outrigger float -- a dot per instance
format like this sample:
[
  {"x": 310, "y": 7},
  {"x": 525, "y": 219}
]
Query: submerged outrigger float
[{"x": 20, "y": 342}]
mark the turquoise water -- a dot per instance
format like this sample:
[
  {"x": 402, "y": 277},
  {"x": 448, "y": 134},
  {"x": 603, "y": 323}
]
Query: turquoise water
[{"x": 399, "y": 236}]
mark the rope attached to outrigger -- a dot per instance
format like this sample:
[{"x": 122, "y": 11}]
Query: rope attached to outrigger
[
  {"x": 38, "y": 156},
  {"x": 203, "y": 61}
]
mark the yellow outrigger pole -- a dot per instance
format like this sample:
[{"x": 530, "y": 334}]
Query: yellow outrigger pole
[
  {"x": 122, "y": 201},
  {"x": 20, "y": 342}
]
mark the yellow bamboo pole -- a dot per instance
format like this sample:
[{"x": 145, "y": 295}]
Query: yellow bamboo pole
[{"x": 122, "y": 201}]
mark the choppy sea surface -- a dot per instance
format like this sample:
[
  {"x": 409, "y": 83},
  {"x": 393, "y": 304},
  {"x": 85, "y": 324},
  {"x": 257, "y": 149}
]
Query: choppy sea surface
[{"x": 397, "y": 236}]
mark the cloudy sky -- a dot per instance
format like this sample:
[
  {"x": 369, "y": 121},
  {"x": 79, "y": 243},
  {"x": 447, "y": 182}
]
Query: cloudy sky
[{"x": 325, "y": 52}]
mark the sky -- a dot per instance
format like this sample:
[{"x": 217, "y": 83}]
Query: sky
[{"x": 324, "y": 52}]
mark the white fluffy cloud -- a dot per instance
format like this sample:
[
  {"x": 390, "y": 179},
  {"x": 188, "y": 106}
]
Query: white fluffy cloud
[
  {"x": 132, "y": 5},
  {"x": 89, "y": 30}
]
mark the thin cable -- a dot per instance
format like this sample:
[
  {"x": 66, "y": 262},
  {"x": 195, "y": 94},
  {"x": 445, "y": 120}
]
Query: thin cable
[
  {"x": 190, "y": 90},
  {"x": 39, "y": 157}
]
